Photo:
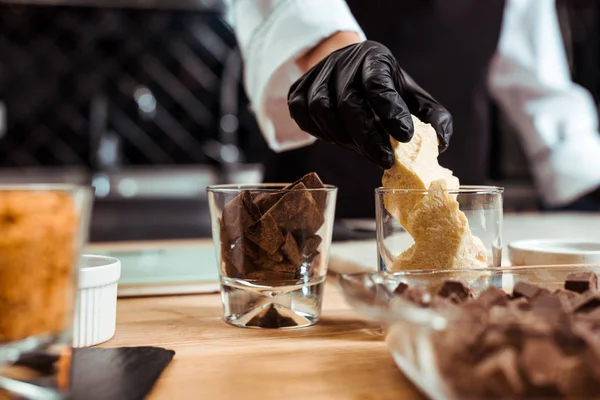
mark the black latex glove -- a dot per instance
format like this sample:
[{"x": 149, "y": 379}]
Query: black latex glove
[{"x": 339, "y": 99}]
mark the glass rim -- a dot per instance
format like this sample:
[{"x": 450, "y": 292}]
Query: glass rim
[
  {"x": 462, "y": 190},
  {"x": 263, "y": 187},
  {"x": 45, "y": 187},
  {"x": 414, "y": 314}
]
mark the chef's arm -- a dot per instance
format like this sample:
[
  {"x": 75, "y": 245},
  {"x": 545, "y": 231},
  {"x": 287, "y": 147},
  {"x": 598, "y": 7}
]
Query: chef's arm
[
  {"x": 556, "y": 119},
  {"x": 279, "y": 41}
]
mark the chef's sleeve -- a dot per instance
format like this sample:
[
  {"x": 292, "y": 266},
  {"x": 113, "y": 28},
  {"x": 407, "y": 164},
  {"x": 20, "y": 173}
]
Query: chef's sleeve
[
  {"x": 271, "y": 35},
  {"x": 556, "y": 119}
]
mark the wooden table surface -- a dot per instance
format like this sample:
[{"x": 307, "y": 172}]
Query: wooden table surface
[{"x": 341, "y": 357}]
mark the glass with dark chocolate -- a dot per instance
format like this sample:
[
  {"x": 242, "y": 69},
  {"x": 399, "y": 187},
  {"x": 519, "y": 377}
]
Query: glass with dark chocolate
[
  {"x": 272, "y": 243},
  {"x": 42, "y": 229}
]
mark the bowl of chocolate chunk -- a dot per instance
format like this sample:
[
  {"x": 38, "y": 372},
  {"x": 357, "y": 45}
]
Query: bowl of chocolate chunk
[
  {"x": 272, "y": 245},
  {"x": 511, "y": 332}
]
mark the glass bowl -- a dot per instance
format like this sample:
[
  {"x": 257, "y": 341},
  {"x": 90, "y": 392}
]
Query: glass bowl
[{"x": 418, "y": 337}]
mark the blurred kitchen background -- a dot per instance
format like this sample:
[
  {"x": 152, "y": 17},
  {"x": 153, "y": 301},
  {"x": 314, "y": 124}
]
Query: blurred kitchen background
[{"x": 144, "y": 99}]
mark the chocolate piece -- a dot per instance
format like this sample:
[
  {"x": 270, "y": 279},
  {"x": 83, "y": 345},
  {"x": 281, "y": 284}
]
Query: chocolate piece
[
  {"x": 502, "y": 373},
  {"x": 574, "y": 381},
  {"x": 492, "y": 296},
  {"x": 266, "y": 234},
  {"x": 581, "y": 281},
  {"x": 400, "y": 288},
  {"x": 264, "y": 201},
  {"x": 291, "y": 251},
  {"x": 241, "y": 256},
  {"x": 417, "y": 294},
  {"x": 271, "y": 318},
  {"x": 527, "y": 290},
  {"x": 312, "y": 181},
  {"x": 541, "y": 359},
  {"x": 549, "y": 303},
  {"x": 592, "y": 317},
  {"x": 568, "y": 294},
  {"x": 297, "y": 212},
  {"x": 271, "y": 276},
  {"x": 310, "y": 246},
  {"x": 236, "y": 217},
  {"x": 281, "y": 266},
  {"x": 586, "y": 302},
  {"x": 456, "y": 288},
  {"x": 520, "y": 303},
  {"x": 440, "y": 302}
]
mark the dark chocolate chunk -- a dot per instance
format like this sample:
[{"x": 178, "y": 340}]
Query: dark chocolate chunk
[
  {"x": 312, "y": 181},
  {"x": 271, "y": 276},
  {"x": 242, "y": 255},
  {"x": 264, "y": 201},
  {"x": 250, "y": 206},
  {"x": 310, "y": 246},
  {"x": 236, "y": 217},
  {"x": 441, "y": 303},
  {"x": 279, "y": 266},
  {"x": 297, "y": 212},
  {"x": 581, "y": 282},
  {"x": 456, "y": 288},
  {"x": 586, "y": 302},
  {"x": 400, "y": 288},
  {"x": 271, "y": 318},
  {"x": 291, "y": 251},
  {"x": 492, "y": 296},
  {"x": 266, "y": 234},
  {"x": 527, "y": 290}
]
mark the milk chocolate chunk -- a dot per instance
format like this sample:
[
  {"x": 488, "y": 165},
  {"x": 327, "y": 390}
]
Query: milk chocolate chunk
[
  {"x": 266, "y": 234},
  {"x": 291, "y": 251},
  {"x": 417, "y": 294},
  {"x": 236, "y": 217},
  {"x": 501, "y": 370},
  {"x": 492, "y": 296},
  {"x": 527, "y": 290},
  {"x": 550, "y": 304},
  {"x": 541, "y": 359},
  {"x": 581, "y": 281},
  {"x": 587, "y": 302},
  {"x": 456, "y": 288},
  {"x": 297, "y": 212}
]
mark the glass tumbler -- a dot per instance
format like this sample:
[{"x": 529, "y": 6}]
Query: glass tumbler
[
  {"x": 42, "y": 230},
  {"x": 272, "y": 247},
  {"x": 440, "y": 222}
]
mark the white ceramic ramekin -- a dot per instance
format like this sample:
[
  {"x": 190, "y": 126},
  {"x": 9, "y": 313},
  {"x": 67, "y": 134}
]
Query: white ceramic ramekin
[{"x": 96, "y": 305}]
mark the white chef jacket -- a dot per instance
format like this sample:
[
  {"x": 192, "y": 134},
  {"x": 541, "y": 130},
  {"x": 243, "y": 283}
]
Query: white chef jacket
[{"x": 529, "y": 77}]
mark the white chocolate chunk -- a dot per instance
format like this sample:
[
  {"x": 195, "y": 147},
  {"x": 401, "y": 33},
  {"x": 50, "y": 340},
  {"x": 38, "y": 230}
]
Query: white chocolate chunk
[{"x": 439, "y": 229}]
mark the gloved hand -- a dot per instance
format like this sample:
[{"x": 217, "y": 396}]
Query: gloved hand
[{"x": 358, "y": 97}]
